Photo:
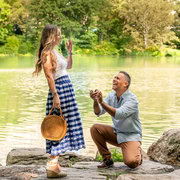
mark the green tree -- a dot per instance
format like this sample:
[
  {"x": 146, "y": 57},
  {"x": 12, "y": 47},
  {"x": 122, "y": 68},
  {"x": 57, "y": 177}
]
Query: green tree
[
  {"x": 19, "y": 12},
  {"x": 176, "y": 27},
  {"x": 148, "y": 22},
  {"x": 110, "y": 24},
  {"x": 5, "y": 27},
  {"x": 73, "y": 16}
]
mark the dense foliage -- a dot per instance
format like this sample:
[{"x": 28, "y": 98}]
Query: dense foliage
[{"x": 96, "y": 27}]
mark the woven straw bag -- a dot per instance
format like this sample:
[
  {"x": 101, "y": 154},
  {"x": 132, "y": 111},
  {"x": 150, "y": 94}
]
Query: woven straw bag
[{"x": 54, "y": 127}]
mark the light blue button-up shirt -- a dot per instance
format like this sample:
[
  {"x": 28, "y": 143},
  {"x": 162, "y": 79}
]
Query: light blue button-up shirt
[{"x": 126, "y": 123}]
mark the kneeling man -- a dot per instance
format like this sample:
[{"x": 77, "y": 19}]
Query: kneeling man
[{"x": 126, "y": 131}]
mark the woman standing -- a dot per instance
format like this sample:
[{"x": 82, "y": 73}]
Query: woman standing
[{"x": 61, "y": 95}]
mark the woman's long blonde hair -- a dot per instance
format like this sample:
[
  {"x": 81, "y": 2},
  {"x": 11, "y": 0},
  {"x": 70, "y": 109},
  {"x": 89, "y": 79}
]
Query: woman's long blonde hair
[{"x": 47, "y": 42}]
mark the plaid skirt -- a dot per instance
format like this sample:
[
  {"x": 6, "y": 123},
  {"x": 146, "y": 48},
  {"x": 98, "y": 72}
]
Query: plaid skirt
[{"x": 73, "y": 139}]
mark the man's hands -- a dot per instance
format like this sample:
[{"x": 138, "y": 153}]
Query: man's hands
[
  {"x": 96, "y": 96},
  {"x": 98, "y": 99}
]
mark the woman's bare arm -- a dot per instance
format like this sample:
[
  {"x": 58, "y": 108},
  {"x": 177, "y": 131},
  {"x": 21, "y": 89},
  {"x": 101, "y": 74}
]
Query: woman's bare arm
[
  {"x": 69, "y": 58},
  {"x": 48, "y": 71}
]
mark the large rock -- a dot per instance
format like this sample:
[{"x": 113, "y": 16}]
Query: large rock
[
  {"x": 86, "y": 171},
  {"x": 80, "y": 170},
  {"x": 38, "y": 156},
  {"x": 148, "y": 177},
  {"x": 166, "y": 150},
  {"x": 175, "y": 175},
  {"x": 148, "y": 167},
  {"x": 21, "y": 172}
]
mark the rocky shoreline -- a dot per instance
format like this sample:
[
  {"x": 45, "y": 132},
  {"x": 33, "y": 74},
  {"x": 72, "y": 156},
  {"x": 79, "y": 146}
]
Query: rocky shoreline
[{"x": 30, "y": 164}]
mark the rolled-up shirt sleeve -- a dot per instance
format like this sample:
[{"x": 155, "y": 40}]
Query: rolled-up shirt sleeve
[{"x": 128, "y": 108}]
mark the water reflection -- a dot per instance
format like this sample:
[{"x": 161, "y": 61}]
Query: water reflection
[{"x": 155, "y": 81}]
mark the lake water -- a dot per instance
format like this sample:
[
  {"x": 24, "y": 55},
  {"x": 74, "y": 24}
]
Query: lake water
[{"x": 155, "y": 81}]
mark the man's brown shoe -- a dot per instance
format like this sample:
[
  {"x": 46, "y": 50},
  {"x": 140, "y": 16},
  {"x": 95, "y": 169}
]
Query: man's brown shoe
[{"x": 107, "y": 163}]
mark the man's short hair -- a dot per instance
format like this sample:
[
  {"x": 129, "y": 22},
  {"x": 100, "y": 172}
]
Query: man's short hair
[{"x": 128, "y": 78}]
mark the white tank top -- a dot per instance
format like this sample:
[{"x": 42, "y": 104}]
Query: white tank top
[{"x": 61, "y": 66}]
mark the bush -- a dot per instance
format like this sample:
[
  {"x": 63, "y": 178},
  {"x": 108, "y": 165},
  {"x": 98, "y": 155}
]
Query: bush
[
  {"x": 116, "y": 155},
  {"x": 168, "y": 55},
  {"x": 12, "y": 45},
  {"x": 25, "y": 46},
  {"x": 17, "y": 45},
  {"x": 125, "y": 51},
  {"x": 177, "y": 43},
  {"x": 3, "y": 35},
  {"x": 153, "y": 50},
  {"x": 62, "y": 48},
  {"x": 87, "y": 41},
  {"x": 106, "y": 48},
  {"x": 2, "y": 50}
]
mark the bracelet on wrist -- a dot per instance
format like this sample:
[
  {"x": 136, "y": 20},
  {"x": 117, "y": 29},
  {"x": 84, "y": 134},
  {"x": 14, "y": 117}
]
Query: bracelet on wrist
[
  {"x": 53, "y": 94},
  {"x": 70, "y": 53}
]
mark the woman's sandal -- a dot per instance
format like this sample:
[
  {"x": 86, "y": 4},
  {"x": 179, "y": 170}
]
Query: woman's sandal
[
  {"x": 52, "y": 169},
  {"x": 53, "y": 174}
]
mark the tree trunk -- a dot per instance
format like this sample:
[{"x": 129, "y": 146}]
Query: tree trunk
[
  {"x": 101, "y": 38},
  {"x": 145, "y": 41}
]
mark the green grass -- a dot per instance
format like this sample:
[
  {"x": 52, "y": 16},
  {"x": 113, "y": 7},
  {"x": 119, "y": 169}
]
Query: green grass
[
  {"x": 115, "y": 154},
  {"x": 27, "y": 54},
  {"x": 172, "y": 52}
]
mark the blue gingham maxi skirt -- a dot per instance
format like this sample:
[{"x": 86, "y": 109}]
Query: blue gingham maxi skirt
[{"x": 73, "y": 139}]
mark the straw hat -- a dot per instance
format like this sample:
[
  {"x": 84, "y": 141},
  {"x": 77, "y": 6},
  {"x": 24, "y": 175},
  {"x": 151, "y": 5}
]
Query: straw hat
[{"x": 54, "y": 127}]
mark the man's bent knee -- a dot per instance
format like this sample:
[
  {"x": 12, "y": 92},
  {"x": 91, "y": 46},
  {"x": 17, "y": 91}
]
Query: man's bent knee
[
  {"x": 132, "y": 163},
  {"x": 94, "y": 130},
  {"x": 93, "y": 127}
]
